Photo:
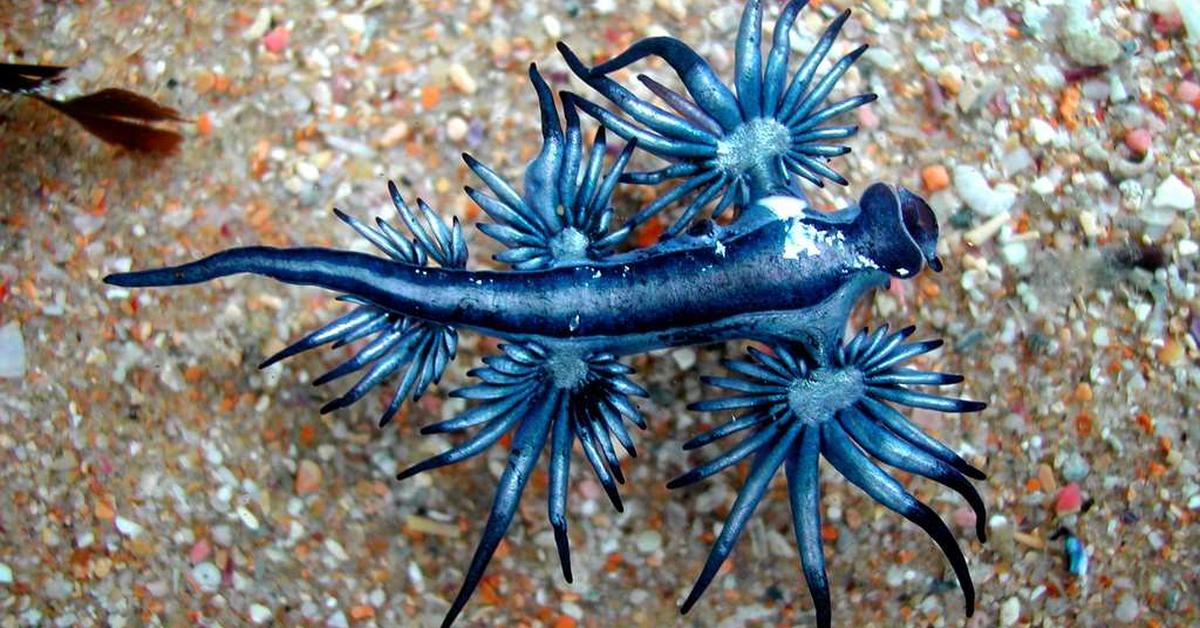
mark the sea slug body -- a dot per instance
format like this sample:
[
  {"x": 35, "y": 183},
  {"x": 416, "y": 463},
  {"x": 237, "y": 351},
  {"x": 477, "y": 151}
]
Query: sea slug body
[{"x": 575, "y": 299}]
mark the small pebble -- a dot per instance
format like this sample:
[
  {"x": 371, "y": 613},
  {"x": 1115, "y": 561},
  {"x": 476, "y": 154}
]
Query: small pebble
[
  {"x": 308, "y": 477},
  {"x": 984, "y": 199},
  {"x": 1173, "y": 193},
  {"x": 1043, "y": 133},
  {"x": 199, "y": 551},
  {"x": 258, "y": 28},
  {"x": 552, "y": 26},
  {"x": 12, "y": 351},
  {"x": 1127, "y": 609},
  {"x": 6, "y": 574},
  {"x": 685, "y": 357},
  {"x": 1068, "y": 500},
  {"x": 336, "y": 550},
  {"x": 1139, "y": 141},
  {"x": 1083, "y": 39},
  {"x": 1010, "y": 611},
  {"x": 1188, "y": 92},
  {"x": 461, "y": 78},
  {"x": 456, "y": 129},
  {"x": 649, "y": 541},
  {"x": 1015, "y": 253},
  {"x": 935, "y": 178},
  {"x": 259, "y": 614},
  {"x": 1189, "y": 12},
  {"x": 207, "y": 577},
  {"x": 964, "y": 517},
  {"x": 677, "y": 9},
  {"x": 276, "y": 40},
  {"x": 307, "y": 171},
  {"x": 127, "y": 527},
  {"x": 1075, "y": 468},
  {"x": 394, "y": 134}
]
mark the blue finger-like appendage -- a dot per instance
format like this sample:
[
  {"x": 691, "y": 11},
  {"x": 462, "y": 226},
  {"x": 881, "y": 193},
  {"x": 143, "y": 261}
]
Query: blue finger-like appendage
[
  {"x": 824, "y": 87},
  {"x": 505, "y": 214},
  {"x": 337, "y": 328},
  {"x": 893, "y": 420},
  {"x": 698, "y": 77},
  {"x": 481, "y": 413},
  {"x": 886, "y": 360},
  {"x": 542, "y": 174},
  {"x": 503, "y": 191},
  {"x": 560, "y": 467},
  {"x": 605, "y": 192},
  {"x": 625, "y": 407},
  {"x": 612, "y": 420},
  {"x": 913, "y": 377},
  {"x": 832, "y": 111},
  {"x": 374, "y": 236},
  {"x": 657, "y": 119},
  {"x": 473, "y": 446},
  {"x": 804, "y": 492},
  {"x": 741, "y": 385},
  {"x": 886, "y": 347},
  {"x": 649, "y": 141},
  {"x": 746, "y": 421},
  {"x": 374, "y": 349},
  {"x": 527, "y": 446},
  {"x": 883, "y": 488},
  {"x": 591, "y": 450},
  {"x": 891, "y": 450},
  {"x": 672, "y": 196},
  {"x": 826, "y": 151},
  {"x": 747, "y": 75},
  {"x": 736, "y": 454},
  {"x": 568, "y": 177},
  {"x": 918, "y": 399},
  {"x": 756, "y": 371},
  {"x": 703, "y": 198},
  {"x": 737, "y": 402},
  {"x": 397, "y": 356},
  {"x": 751, "y": 493},
  {"x": 775, "y": 77},
  {"x": 818, "y": 166},
  {"x": 684, "y": 107},
  {"x": 808, "y": 68},
  {"x": 591, "y": 175},
  {"x": 674, "y": 171}
]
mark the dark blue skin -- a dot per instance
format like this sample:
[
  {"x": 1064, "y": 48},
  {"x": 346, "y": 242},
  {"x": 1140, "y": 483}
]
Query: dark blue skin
[
  {"x": 722, "y": 285},
  {"x": 573, "y": 303}
]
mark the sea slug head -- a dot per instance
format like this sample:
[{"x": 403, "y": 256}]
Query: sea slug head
[
  {"x": 891, "y": 229},
  {"x": 896, "y": 229}
]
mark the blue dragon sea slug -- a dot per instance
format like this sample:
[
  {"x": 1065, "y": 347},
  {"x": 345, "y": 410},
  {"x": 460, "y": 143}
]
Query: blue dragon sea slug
[{"x": 575, "y": 299}]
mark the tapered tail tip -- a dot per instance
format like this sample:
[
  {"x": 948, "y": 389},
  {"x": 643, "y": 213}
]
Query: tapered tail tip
[{"x": 124, "y": 280}]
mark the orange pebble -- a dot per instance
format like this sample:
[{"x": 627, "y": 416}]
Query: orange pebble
[
  {"x": 935, "y": 178},
  {"x": 204, "y": 124},
  {"x": 430, "y": 96}
]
